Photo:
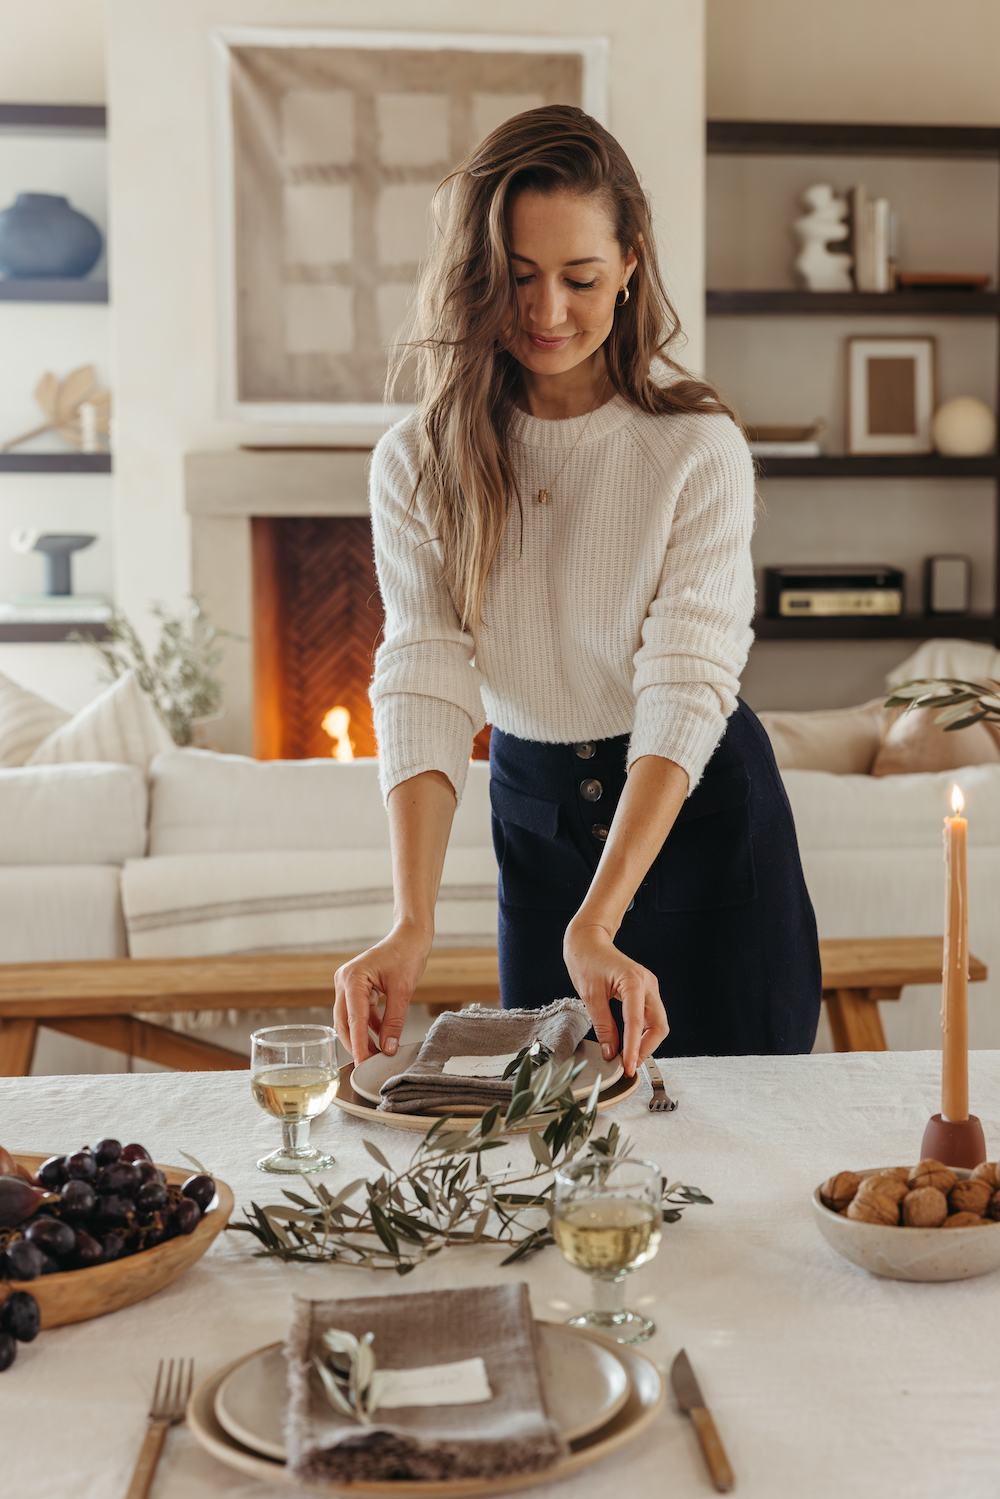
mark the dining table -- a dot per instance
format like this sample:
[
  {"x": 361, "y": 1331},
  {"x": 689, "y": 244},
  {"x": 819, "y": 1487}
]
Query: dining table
[{"x": 824, "y": 1380}]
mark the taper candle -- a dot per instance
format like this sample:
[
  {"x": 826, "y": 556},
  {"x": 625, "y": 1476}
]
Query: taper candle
[{"x": 955, "y": 1005}]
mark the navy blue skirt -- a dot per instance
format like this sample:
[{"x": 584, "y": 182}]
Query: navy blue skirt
[{"x": 723, "y": 918}]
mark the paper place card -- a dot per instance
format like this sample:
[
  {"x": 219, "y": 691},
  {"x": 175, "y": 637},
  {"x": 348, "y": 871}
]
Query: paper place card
[
  {"x": 462, "y": 1383},
  {"x": 478, "y": 1066}
]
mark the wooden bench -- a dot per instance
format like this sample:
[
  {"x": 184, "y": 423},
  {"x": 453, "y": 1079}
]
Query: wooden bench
[{"x": 97, "y": 1001}]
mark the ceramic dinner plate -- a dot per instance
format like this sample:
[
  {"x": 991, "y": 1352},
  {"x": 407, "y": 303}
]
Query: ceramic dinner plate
[
  {"x": 643, "y": 1403},
  {"x": 585, "y": 1387},
  {"x": 367, "y": 1079}
]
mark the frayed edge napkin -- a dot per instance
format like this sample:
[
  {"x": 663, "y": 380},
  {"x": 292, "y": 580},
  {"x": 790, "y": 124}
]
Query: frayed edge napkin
[
  {"x": 511, "y": 1433},
  {"x": 480, "y": 1031}
]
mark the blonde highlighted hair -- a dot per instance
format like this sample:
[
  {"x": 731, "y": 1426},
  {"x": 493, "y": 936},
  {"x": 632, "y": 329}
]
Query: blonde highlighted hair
[{"x": 467, "y": 305}]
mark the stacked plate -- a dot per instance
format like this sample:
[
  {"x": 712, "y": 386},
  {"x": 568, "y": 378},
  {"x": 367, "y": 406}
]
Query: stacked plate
[
  {"x": 360, "y": 1087},
  {"x": 600, "y": 1395}
]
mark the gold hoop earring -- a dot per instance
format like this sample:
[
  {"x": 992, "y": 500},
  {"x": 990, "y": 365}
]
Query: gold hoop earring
[{"x": 622, "y": 296}]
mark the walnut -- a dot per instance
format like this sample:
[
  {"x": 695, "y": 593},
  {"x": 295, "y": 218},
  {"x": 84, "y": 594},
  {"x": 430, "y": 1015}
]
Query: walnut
[
  {"x": 925, "y": 1208},
  {"x": 839, "y": 1190},
  {"x": 931, "y": 1173},
  {"x": 963, "y": 1220},
  {"x": 970, "y": 1197},
  {"x": 885, "y": 1184},
  {"x": 987, "y": 1172},
  {"x": 903, "y": 1172},
  {"x": 874, "y": 1207},
  {"x": 994, "y": 1208}
]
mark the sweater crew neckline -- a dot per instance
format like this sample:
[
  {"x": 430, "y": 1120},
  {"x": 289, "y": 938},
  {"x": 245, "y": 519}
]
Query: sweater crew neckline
[{"x": 539, "y": 432}]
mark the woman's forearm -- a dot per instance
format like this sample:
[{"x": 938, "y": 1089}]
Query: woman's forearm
[
  {"x": 654, "y": 794},
  {"x": 421, "y": 811}
]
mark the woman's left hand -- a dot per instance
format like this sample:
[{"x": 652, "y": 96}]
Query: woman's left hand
[{"x": 600, "y": 973}]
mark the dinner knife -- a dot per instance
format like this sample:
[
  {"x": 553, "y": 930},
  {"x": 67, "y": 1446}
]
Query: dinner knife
[{"x": 690, "y": 1400}]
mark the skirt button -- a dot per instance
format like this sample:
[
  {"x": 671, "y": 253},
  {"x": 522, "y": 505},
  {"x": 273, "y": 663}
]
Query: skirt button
[
  {"x": 600, "y": 831},
  {"x": 591, "y": 791},
  {"x": 585, "y": 750}
]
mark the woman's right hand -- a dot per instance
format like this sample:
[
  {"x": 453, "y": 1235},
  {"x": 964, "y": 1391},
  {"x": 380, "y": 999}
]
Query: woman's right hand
[{"x": 391, "y": 968}]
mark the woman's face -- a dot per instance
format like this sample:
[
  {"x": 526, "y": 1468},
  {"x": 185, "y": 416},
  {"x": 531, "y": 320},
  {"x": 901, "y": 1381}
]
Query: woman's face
[{"x": 569, "y": 270}]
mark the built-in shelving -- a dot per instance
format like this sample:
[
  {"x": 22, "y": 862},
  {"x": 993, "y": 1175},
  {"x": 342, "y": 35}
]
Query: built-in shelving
[
  {"x": 56, "y": 117},
  {"x": 821, "y": 138},
  {"x": 55, "y": 631},
  {"x": 891, "y": 627},
  {"x": 749, "y": 303},
  {"x": 53, "y": 289},
  {"x": 894, "y": 466},
  {"x": 55, "y": 463}
]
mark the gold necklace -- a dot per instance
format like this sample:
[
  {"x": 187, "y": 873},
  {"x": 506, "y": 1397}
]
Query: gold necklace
[{"x": 543, "y": 494}]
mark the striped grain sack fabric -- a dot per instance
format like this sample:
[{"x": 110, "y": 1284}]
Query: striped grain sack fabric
[
  {"x": 26, "y": 720},
  {"x": 120, "y": 725}
]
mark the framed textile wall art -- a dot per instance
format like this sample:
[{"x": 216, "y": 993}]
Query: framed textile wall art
[
  {"x": 329, "y": 148},
  {"x": 890, "y": 395}
]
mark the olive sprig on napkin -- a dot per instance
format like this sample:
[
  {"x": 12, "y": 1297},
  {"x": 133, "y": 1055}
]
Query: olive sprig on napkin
[{"x": 354, "y": 1391}]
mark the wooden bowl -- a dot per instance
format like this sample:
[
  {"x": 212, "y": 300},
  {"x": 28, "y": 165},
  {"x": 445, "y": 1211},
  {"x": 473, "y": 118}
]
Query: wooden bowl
[{"x": 78, "y": 1295}]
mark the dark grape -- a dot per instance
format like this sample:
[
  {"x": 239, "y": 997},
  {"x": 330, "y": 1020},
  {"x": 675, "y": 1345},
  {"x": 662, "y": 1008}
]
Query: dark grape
[
  {"x": 81, "y": 1167},
  {"x": 187, "y": 1215},
  {"x": 106, "y": 1152},
  {"x": 121, "y": 1179},
  {"x": 151, "y": 1197},
  {"x": 113, "y": 1212},
  {"x": 113, "y": 1245},
  {"x": 52, "y": 1173},
  {"x": 50, "y": 1266},
  {"x": 23, "y": 1261},
  {"x": 136, "y": 1153},
  {"x": 200, "y": 1189},
  {"x": 77, "y": 1200},
  {"x": 155, "y": 1233},
  {"x": 19, "y": 1315},
  {"x": 8, "y": 1350},
  {"x": 52, "y": 1236},
  {"x": 88, "y": 1250}
]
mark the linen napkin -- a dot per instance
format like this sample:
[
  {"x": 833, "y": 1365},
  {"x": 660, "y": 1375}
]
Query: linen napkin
[
  {"x": 511, "y": 1432},
  {"x": 474, "y": 1033}
]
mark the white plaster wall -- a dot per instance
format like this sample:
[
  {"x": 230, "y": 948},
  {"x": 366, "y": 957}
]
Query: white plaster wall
[
  {"x": 162, "y": 227},
  {"x": 52, "y": 52}
]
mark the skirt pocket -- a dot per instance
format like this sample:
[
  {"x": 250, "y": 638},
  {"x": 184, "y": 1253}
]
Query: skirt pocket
[{"x": 540, "y": 865}]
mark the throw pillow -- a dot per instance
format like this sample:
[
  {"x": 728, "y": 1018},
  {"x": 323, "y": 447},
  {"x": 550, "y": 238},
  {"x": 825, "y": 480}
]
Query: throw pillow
[
  {"x": 25, "y": 720},
  {"x": 916, "y": 743},
  {"x": 843, "y": 741},
  {"x": 121, "y": 725}
]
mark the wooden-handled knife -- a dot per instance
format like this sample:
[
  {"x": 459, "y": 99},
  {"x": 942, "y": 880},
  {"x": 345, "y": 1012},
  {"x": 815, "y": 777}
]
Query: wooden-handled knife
[{"x": 690, "y": 1400}]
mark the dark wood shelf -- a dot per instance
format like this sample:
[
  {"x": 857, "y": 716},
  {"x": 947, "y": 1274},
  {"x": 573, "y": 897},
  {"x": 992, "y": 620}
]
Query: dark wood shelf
[
  {"x": 752, "y": 303},
  {"x": 91, "y": 117},
  {"x": 52, "y": 289},
  {"x": 888, "y": 627},
  {"x": 53, "y": 630},
  {"x": 55, "y": 463},
  {"x": 820, "y": 138},
  {"x": 900, "y": 466}
]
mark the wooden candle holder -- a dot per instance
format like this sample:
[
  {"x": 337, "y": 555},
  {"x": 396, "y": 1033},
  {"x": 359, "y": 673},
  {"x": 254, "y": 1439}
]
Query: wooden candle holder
[{"x": 954, "y": 1142}]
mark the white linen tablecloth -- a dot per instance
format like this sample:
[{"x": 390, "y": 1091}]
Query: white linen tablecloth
[{"x": 824, "y": 1380}]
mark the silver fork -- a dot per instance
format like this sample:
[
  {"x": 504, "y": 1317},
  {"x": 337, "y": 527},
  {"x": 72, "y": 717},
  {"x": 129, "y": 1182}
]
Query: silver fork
[
  {"x": 170, "y": 1396},
  {"x": 661, "y": 1102}
]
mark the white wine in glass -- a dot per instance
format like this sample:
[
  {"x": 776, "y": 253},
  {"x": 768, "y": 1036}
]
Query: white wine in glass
[
  {"x": 293, "y": 1076},
  {"x": 608, "y": 1221}
]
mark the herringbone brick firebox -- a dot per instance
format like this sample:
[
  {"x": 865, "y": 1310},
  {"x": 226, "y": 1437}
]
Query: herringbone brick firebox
[{"x": 318, "y": 621}]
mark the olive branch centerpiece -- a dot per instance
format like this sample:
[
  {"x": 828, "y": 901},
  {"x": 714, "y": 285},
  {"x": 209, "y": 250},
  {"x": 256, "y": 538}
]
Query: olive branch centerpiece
[
  {"x": 960, "y": 703},
  {"x": 444, "y": 1196}
]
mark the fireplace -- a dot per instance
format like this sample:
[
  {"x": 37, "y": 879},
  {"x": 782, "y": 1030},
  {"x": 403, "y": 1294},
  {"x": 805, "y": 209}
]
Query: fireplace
[{"x": 317, "y": 622}]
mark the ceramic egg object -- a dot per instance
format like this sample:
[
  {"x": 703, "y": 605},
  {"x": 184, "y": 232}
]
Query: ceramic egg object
[{"x": 964, "y": 428}]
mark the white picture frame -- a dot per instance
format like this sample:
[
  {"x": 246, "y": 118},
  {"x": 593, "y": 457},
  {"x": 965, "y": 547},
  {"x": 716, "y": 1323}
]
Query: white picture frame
[
  {"x": 593, "y": 52},
  {"x": 890, "y": 395}
]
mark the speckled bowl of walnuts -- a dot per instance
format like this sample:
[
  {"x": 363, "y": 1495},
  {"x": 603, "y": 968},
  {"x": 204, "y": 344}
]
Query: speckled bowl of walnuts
[{"x": 926, "y": 1222}]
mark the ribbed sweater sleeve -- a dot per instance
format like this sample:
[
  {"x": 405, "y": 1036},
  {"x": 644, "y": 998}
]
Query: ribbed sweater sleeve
[
  {"x": 425, "y": 692},
  {"x": 696, "y": 635}
]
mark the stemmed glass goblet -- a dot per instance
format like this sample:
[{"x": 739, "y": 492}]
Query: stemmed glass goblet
[
  {"x": 293, "y": 1075},
  {"x": 608, "y": 1221}
]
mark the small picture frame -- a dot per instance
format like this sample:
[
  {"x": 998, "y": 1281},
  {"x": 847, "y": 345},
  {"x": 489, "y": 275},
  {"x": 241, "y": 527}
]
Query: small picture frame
[{"x": 890, "y": 395}]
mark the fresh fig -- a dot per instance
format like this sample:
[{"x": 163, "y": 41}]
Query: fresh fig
[
  {"x": 8, "y": 1166},
  {"x": 18, "y": 1200}
]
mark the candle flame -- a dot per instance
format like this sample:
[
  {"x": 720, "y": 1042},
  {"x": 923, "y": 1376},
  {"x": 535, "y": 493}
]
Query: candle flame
[
  {"x": 336, "y": 724},
  {"x": 957, "y": 800}
]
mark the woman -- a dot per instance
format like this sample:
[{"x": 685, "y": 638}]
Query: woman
[{"x": 562, "y": 533}]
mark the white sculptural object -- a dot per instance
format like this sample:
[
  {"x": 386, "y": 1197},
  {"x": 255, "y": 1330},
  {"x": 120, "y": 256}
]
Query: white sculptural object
[{"x": 825, "y": 223}]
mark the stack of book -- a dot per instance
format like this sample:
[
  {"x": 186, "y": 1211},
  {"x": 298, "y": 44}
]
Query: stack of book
[{"x": 873, "y": 241}]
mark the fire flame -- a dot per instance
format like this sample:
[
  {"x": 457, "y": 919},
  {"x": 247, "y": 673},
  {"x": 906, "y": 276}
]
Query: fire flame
[
  {"x": 957, "y": 800},
  {"x": 336, "y": 723}
]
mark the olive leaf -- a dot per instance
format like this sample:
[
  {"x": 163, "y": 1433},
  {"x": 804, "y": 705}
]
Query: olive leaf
[{"x": 953, "y": 696}]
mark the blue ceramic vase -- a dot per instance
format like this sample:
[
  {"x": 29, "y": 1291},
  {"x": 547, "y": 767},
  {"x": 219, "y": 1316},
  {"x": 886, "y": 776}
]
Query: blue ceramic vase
[{"x": 41, "y": 235}]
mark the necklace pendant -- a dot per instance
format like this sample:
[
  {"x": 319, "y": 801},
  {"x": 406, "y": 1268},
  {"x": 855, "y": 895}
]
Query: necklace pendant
[{"x": 543, "y": 497}]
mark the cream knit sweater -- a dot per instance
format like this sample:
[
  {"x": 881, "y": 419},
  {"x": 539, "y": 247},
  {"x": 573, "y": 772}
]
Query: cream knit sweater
[{"x": 624, "y": 609}]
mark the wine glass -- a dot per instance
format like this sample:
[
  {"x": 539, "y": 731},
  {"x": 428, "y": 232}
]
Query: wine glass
[
  {"x": 293, "y": 1075},
  {"x": 608, "y": 1221}
]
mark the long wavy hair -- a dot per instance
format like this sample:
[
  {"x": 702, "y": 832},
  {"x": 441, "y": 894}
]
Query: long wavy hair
[{"x": 467, "y": 306}]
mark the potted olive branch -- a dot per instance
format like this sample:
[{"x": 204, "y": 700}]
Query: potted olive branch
[
  {"x": 444, "y": 1197},
  {"x": 953, "y": 697}
]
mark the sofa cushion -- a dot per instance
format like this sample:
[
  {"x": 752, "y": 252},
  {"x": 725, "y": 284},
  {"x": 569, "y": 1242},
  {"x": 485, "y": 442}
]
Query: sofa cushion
[
  {"x": 72, "y": 814},
  {"x": 60, "y": 914},
  {"x": 862, "y": 812},
  {"x": 916, "y": 743},
  {"x": 971, "y": 659},
  {"x": 843, "y": 741},
  {"x": 25, "y": 720},
  {"x": 202, "y": 802},
  {"x": 120, "y": 725},
  {"x": 195, "y": 905}
]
